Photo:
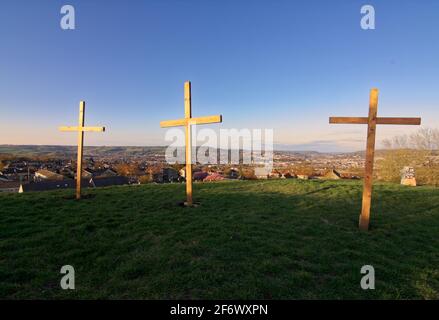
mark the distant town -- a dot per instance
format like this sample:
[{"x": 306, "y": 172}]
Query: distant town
[{"x": 39, "y": 168}]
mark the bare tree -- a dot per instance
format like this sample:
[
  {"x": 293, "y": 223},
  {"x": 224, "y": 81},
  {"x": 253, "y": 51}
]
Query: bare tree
[
  {"x": 419, "y": 150},
  {"x": 423, "y": 139}
]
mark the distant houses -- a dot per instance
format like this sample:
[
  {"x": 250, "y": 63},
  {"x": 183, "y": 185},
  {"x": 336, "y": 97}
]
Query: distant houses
[
  {"x": 45, "y": 180},
  {"x": 71, "y": 184},
  {"x": 9, "y": 186},
  {"x": 269, "y": 173},
  {"x": 15, "y": 174},
  {"x": 170, "y": 175},
  {"x": 108, "y": 181},
  {"x": 332, "y": 175},
  {"x": 262, "y": 172},
  {"x": 46, "y": 175},
  {"x": 200, "y": 176},
  {"x": 23, "y": 176},
  {"x": 3, "y": 178},
  {"x": 214, "y": 177},
  {"x": 164, "y": 175},
  {"x": 51, "y": 174},
  {"x": 50, "y": 185},
  {"x": 265, "y": 173},
  {"x": 337, "y": 175},
  {"x": 233, "y": 173},
  {"x": 98, "y": 173}
]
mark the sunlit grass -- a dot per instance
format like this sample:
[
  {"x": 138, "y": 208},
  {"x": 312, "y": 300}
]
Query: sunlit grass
[{"x": 283, "y": 239}]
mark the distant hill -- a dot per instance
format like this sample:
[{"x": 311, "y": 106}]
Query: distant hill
[
  {"x": 63, "y": 152},
  {"x": 23, "y": 150},
  {"x": 70, "y": 151}
]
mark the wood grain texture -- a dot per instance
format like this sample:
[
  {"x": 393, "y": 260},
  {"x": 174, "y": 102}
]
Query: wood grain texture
[
  {"x": 370, "y": 155},
  {"x": 188, "y": 115},
  {"x": 85, "y": 129},
  {"x": 191, "y": 121},
  {"x": 380, "y": 120}
]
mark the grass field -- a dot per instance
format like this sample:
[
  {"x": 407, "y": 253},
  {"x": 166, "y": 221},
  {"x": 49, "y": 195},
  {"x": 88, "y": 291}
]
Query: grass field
[{"x": 283, "y": 239}]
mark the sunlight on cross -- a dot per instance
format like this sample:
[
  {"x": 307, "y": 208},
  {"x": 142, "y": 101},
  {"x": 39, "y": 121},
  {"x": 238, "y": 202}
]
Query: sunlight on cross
[
  {"x": 80, "y": 129},
  {"x": 187, "y": 122},
  {"x": 371, "y": 122}
]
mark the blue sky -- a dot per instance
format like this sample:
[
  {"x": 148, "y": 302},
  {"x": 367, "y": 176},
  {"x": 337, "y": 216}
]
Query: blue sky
[{"x": 282, "y": 65}]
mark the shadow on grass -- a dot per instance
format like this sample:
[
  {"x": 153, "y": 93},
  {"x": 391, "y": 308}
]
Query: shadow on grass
[
  {"x": 251, "y": 240},
  {"x": 317, "y": 191}
]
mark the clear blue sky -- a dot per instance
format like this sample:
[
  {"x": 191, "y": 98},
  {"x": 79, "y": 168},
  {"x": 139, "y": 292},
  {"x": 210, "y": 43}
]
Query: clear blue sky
[{"x": 286, "y": 65}]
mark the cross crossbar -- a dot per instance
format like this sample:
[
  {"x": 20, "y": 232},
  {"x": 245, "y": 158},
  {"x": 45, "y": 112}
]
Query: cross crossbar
[
  {"x": 380, "y": 120},
  {"x": 85, "y": 129},
  {"x": 191, "y": 121}
]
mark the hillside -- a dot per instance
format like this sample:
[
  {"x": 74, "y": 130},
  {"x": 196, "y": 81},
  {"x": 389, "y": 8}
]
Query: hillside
[
  {"x": 284, "y": 239},
  {"x": 61, "y": 152}
]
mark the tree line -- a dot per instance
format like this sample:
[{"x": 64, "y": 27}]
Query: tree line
[{"x": 419, "y": 150}]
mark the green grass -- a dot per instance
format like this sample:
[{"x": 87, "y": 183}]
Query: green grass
[{"x": 283, "y": 239}]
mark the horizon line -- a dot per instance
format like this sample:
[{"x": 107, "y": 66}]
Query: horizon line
[{"x": 165, "y": 146}]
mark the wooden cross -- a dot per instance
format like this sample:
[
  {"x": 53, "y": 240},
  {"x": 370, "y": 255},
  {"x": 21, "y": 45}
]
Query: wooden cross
[
  {"x": 371, "y": 122},
  {"x": 187, "y": 122},
  {"x": 81, "y": 129}
]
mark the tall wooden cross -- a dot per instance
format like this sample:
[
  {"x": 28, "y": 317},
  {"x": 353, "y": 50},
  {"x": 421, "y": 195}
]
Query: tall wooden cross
[
  {"x": 81, "y": 129},
  {"x": 371, "y": 122},
  {"x": 187, "y": 122}
]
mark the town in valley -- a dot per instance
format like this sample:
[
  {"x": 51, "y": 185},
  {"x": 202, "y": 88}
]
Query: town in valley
[{"x": 40, "y": 168}]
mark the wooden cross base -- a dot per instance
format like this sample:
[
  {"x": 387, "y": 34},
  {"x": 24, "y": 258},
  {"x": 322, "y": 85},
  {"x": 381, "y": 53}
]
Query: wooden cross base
[
  {"x": 189, "y": 205},
  {"x": 363, "y": 223}
]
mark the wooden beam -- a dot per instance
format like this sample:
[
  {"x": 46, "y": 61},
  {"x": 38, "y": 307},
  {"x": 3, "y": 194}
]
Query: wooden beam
[
  {"x": 85, "y": 129},
  {"x": 370, "y": 154},
  {"x": 380, "y": 120},
  {"x": 399, "y": 121},
  {"x": 80, "y": 149},
  {"x": 173, "y": 123},
  {"x": 206, "y": 120},
  {"x": 188, "y": 115},
  {"x": 191, "y": 121},
  {"x": 348, "y": 120}
]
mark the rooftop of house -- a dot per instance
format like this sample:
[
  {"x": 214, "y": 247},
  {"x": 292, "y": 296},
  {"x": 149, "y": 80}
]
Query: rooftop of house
[
  {"x": 48, "y": 174},
  {"x": 9, "y": 185},
  {"x": 109, "y": 181},
  {"x": 262, "y": 171},
  {"x": 200, "y": 175},
  {"x": 214, "y": 177},
  {"x": 51, "y": 185}
]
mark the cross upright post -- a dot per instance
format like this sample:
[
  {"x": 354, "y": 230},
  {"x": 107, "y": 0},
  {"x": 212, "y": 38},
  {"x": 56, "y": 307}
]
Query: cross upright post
[
  {"x": 372, "y": 120},
  {"x": 188, "y": 129}
]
